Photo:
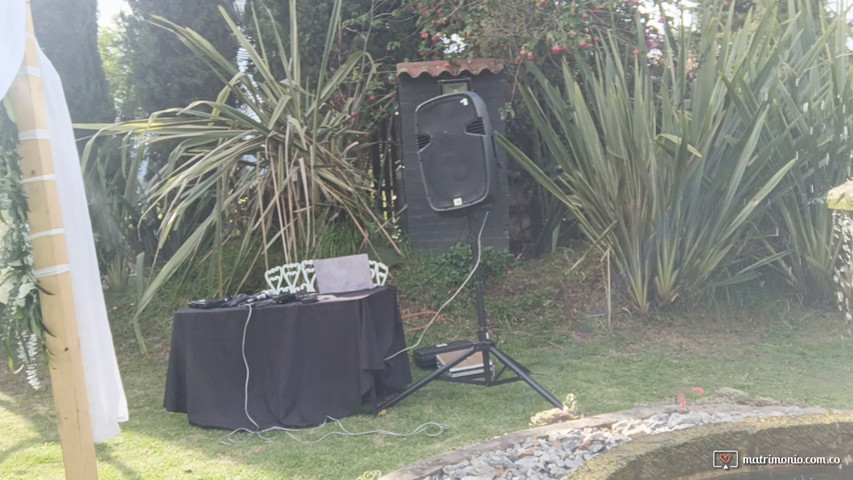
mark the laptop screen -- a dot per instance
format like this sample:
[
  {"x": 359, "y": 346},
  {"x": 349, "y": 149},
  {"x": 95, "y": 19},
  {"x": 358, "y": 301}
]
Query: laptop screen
[{"x": 343, "y": 274}]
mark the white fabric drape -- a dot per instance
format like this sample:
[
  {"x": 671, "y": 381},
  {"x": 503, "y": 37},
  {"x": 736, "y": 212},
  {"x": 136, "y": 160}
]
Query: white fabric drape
[
  {"x": 13, "y": 29},
  {"x": 107, "y": 401}
]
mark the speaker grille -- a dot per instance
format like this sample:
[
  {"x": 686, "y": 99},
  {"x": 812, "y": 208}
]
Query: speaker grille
[
  {"x": 476, "y": 127},
  {"x": 455, "y": 151}
]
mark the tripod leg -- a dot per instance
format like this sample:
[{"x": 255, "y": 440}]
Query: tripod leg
[
  {"x": 432, "y": 376},
  {"x": 520, "y": 371}
]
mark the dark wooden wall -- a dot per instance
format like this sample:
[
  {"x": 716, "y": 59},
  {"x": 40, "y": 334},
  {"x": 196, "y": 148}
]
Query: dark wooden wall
[{"x": 427, "y": 229}]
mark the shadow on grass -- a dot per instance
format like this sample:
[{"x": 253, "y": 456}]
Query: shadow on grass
[
  {"x": 18, "y": 447},
  {"x": 33, "y": 414},
  {"x": 44, "y": 427},
  {"x": 32, "y": 408},
  {"x": 105, "y": 456}
]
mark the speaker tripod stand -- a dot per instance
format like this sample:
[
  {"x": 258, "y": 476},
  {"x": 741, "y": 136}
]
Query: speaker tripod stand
[{"x": 483, "y": 346}]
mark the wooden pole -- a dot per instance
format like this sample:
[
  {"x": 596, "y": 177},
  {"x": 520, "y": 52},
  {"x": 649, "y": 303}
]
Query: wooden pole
[{"x": 51, "y": 265}]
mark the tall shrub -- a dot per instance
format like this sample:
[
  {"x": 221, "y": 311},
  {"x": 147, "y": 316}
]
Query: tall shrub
[
  {"x": 271, "y": 176},
  {"x": 816, "y": 111},
  {"x": 673, "y": 165}
]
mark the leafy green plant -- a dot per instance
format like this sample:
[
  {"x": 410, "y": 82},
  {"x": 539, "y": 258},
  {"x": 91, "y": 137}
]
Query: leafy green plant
[
  {"x": 843, "y": 273},
  {"x": 815, "y": 108},
  {"x": 519, "y": 30},
  {"x": 432, "y": 278},
  {"x": 681, "y": 162},
  {"x": 21, "y": 327},
  {"x": 273, "y": 175},
  {"x": 454, "y": 266}
]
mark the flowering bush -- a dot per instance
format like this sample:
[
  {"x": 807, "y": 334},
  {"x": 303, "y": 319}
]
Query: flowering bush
[{"x": 527, "y": 30}]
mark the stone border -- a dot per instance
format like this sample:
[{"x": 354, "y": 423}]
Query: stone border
[
  {"x": 434, "y": 465},
  {"x": 687, "y": 453}
]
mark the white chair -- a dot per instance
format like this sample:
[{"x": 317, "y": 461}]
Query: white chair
[{"x": 300, "y": 277}]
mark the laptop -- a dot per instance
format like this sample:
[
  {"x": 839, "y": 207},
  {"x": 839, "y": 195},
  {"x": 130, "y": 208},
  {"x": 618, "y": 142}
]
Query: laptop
[{"x": 343, "y": 274}]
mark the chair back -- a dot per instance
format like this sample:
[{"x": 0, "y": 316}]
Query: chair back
[{"x": 301, "y": 277}]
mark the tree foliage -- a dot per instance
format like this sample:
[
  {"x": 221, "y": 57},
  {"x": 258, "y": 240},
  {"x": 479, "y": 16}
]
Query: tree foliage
[
  {"x": 520, "y": 30},
  {"x": 378, "y": 28},
  {"x": 111, "y": 44},
  {"x": 163, "y": 73},
  {"x": 68, "y": 33}
]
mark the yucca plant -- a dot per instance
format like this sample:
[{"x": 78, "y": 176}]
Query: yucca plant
[
  {"x": 113, "y": 196},
  {"x": 815, "y": 111},
  {"x": 672, "y": 172},
  {"x": 272, "y": 173}
]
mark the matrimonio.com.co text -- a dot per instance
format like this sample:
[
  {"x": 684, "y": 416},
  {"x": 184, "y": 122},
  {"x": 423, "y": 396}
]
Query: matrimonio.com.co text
[
  {"x": 788, "y": 460},
  {"x": 726, "y": 459}
]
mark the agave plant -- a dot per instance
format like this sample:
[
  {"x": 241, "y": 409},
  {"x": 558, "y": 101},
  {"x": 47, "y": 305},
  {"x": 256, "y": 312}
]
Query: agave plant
[
  {"x": 681, "y": 164},
  {"x": 272, "y": 173},
  {"x": 815, "y": 109}
]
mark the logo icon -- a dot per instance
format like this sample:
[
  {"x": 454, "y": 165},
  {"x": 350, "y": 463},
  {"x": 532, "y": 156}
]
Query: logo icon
[{"x": 725, "y": 459}]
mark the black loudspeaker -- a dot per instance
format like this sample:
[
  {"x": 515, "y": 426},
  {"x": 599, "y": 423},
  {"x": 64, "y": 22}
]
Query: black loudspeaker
[{"x": 456, "y": 151}]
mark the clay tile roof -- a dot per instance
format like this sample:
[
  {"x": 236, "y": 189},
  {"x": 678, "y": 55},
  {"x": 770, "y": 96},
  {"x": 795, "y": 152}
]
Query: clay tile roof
[{"x": 454, "y": 67}]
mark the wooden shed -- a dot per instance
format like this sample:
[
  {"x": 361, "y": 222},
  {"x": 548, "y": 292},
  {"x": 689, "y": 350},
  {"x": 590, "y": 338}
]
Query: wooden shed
[{"x": 418, "y": 82}]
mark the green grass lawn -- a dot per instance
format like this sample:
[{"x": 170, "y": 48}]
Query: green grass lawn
[{"x": 551, "y": 322}]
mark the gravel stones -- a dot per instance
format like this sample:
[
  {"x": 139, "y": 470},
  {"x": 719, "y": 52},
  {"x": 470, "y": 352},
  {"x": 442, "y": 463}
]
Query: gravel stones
[{"x": 560, "y": 453}]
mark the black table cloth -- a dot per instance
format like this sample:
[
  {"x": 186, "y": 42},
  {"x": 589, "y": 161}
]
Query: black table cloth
[{"x": 306, "y": 361}]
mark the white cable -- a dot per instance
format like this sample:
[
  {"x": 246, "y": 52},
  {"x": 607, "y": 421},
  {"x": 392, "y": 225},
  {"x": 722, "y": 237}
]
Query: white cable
[
  {"x": 452, "y": 297},
  {"x": 429, "y": 429},
  {"x": 246, "y": 364}
]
